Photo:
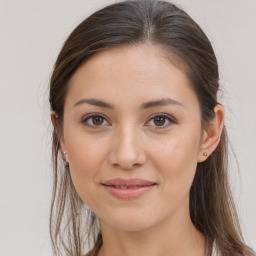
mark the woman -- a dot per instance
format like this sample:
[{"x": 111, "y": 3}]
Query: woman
[{"x": 142, "y": 137}]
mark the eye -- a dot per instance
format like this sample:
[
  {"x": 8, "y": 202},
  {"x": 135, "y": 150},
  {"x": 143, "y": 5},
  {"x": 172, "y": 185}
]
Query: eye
[
  {"x": 161, "y": 121},
  {"x": 94, "y": 121}
]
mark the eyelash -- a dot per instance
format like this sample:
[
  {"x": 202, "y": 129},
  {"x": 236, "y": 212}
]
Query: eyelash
[{"x": 86, "y": 118}]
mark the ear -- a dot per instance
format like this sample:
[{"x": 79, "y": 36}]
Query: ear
[
  {"x": 212, "y": 134},
  {"x": 54, "y": 120}
]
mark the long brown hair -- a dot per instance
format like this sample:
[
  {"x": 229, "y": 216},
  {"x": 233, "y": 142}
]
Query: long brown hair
[{"x": 212, "y": 209}]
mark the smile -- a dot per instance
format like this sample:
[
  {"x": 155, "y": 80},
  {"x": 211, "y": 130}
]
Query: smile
[{"x": 128, "y": 192}]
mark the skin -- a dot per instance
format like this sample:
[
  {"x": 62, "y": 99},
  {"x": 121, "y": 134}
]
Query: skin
[{"x": 130, "y": 143}]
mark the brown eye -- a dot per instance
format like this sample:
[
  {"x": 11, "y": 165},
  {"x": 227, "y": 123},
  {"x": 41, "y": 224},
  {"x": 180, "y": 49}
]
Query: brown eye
[
  {"x": 97, "y": 120},
  {"x": 161, "y": 121},
  {"x": 94, "y": 121}
]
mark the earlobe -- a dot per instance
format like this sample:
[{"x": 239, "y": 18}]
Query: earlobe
[
  {"x": 65, "y": 157},
  {"x": 212, "y": 134}
]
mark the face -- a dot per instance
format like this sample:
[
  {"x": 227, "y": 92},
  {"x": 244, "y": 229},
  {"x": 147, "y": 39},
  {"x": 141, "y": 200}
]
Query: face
[{"x": 131, "y": 114}]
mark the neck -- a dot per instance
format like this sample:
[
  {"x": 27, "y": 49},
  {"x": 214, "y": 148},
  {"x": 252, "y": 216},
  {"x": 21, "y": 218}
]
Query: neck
[{"x": 175, "y": 235}]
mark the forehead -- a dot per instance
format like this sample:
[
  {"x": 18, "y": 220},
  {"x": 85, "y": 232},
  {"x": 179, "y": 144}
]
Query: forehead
[
  {"x": 134, "y": 73},
  {"x": 139, "y": 59}
]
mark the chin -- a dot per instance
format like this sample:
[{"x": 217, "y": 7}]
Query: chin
[{"x": 128, "y": 222}]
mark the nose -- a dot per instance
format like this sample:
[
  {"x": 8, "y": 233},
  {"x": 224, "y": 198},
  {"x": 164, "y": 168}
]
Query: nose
[{"x": 127, "y": 150}]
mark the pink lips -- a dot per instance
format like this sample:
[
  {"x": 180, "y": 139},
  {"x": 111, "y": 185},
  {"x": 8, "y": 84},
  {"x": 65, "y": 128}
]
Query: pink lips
[{"x": 128, "y": 189}]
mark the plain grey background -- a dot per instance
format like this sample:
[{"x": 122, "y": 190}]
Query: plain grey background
[{"x": 32, "y": 33}]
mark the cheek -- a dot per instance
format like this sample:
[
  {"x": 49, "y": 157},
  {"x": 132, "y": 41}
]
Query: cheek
[
  {"x": 85, "y": 158},
  {"x": 85, "y": 154},
  {"x": 177, "y": 163}
]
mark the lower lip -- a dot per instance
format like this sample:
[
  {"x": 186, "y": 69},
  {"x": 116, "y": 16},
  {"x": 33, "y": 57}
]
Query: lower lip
[{"x": 128, "y": 193}]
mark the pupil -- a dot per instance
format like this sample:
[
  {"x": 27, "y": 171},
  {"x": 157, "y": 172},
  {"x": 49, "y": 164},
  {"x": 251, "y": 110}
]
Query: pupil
[
  {"x": 160, "y": 120},
  {"x": 97, "y": 120}
]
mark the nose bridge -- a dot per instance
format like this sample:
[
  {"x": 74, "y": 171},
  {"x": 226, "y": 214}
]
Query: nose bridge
[{"x": 127, "y": 150}]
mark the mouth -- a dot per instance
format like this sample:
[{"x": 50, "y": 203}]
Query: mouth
[
  {"x": 128, "y": 183},
  {"x": 128, "y": 189}
]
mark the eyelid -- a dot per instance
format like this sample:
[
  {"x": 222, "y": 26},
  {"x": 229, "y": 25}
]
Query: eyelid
[
  {"x": 171, "y": 119},
  {"x": 87, "y": 117}
]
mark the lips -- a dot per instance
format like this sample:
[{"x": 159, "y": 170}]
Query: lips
[
  {"x": 130, "y": 183},
  {"x": 128, "y": 189}
]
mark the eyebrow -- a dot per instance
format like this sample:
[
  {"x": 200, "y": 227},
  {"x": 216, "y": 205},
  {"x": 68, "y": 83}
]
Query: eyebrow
[{"x": 150, "y": 104}]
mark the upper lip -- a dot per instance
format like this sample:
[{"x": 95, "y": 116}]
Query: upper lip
[{"x": 128, "y": 182}]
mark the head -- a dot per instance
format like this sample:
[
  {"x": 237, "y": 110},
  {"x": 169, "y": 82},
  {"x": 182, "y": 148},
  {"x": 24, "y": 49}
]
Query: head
[{"x": 127, "y": 55}]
